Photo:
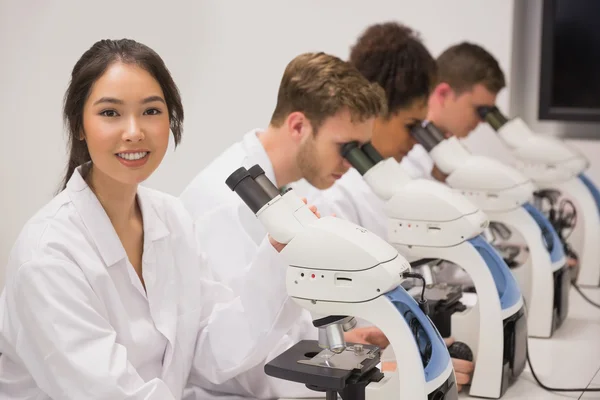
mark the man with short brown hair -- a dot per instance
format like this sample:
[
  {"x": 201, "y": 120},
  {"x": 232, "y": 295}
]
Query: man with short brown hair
[
  {"x": 322, "y": 103},
  {"x": 468, "y": 77}
]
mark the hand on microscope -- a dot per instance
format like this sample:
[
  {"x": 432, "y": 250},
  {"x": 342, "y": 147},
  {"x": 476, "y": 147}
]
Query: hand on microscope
[
  {"x": 463, "y": 369},
  {"x": 572, "y": 262},
  {"x": 437, "y": 174},
  {"x": 280, "y": 246},
  {"x": 367, "y": 335}
]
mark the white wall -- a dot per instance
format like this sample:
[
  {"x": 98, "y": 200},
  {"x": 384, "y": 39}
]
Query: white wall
[
  {"x": 524, "y": 86},
  {"x": 227, "y": 58}
]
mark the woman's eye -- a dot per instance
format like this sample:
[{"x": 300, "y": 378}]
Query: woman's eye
[
  {"x": 109, "y": 113},
  {"x": 152, "y": 111}
]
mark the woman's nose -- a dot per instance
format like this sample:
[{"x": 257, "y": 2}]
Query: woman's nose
[{"x": 133, "y": 131}]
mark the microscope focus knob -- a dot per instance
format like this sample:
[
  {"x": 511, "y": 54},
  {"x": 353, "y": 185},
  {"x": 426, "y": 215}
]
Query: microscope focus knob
[{"x": 461, "y": 351}]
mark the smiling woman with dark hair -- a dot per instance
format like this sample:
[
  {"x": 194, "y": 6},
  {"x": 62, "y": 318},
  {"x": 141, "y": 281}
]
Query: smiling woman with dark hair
[{"x": 106, "y": 296}]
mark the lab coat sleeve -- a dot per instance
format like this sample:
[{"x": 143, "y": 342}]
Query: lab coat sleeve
[
  {"x": 65, "y": 341},
  {"x": 233, "y": 238},
  {"x": 261, "y": 386},
  {"x": 254, "y": 383},
  {"x": 239, "y": 330}
]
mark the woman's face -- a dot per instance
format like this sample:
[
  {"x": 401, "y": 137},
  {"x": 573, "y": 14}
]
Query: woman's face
[
  {"x": 126, "y": 124},
  {"x": 391, "y": 137}
]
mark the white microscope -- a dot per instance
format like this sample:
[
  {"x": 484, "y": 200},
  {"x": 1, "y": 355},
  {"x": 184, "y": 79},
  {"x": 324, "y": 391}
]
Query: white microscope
[
  {"x": 429, "y": 220},
  {"x": 339, "y": 271},
  {"x": 553, "y": 164},
  {"x": 505, "y": 195}
]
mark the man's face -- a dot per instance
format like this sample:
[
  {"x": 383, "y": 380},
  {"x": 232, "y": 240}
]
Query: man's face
[
  {"x": 459, "y": 112},
  {"x": 319, "y": 156}
]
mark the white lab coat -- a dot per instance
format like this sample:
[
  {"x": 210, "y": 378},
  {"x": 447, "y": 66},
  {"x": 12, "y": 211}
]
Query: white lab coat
[
  {"x": 224, "y": 220},
  {"x": 418, "y": 163},
  {"x": 75, "y": 322}
]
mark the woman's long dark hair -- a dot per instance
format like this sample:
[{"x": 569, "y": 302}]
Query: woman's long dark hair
[{"x": 92, "y": 64}]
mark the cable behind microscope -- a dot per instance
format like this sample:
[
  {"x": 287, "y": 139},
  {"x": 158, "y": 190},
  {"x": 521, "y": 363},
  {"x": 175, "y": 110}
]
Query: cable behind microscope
[
  {"x": 548, "y": 388},
  {"x": 551, "y": 389},
  {"x": 578, "y": 289}
]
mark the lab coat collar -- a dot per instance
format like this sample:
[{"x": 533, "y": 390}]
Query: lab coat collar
[
  {"x": 101, "y": 229},
  {"x": 257, "y": 154},
  {"x": 154, "y": 227}
]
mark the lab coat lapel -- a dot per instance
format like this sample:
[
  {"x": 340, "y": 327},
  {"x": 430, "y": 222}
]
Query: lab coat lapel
[
  {"x": 95, "y": 220},
  {"x": 157, "y": 260},
  {"x": 159, "y": 274}
]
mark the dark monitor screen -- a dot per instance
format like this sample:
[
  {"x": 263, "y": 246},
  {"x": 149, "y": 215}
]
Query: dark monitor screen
[{"x": 570, "y": 64}]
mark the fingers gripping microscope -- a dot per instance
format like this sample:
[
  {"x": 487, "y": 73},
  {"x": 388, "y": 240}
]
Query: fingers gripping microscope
[
  {"x": 429, "y": 220},
  {"x": 339, "y": 271},
  {"x": 552, "y": 164},
  {"x": 505, "y": 195}
]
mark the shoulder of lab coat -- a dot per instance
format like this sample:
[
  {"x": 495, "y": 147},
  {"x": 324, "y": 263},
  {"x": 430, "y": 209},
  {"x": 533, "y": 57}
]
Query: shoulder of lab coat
[
  {"x": 352, "y": 199},
  {"x": 208, "y": 191},
  {"x": 55, "y": 315},
  {"x": 230, "y": 234}
]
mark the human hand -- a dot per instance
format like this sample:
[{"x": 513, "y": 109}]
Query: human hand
[
  {"x": 367, "y": 335},
  {"x": 438, "y": 175},
  {"x": 463, "y": 369}
]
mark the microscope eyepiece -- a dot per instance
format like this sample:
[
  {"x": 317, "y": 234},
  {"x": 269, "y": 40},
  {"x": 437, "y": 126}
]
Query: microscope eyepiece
[
  {"x": 356, "y": 157},
  {"x": 492, "y": 115},
  {"x": 236, "y": 177},
  {"x": 372, "y": 153},
  {"x": 258, "y": 174},
  {"x": 241, "y": 182},
  {"x": 427, "y": 134},
  {"x": 256, "y": 171}
]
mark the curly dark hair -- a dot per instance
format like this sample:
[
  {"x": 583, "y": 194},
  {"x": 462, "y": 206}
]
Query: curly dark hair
[{"x": 394, "y": 56}]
